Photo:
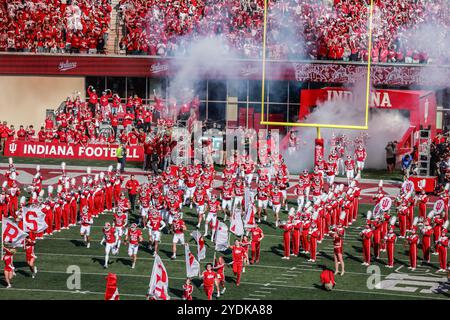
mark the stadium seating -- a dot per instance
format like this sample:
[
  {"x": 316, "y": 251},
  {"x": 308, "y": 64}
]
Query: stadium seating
[
  {"x": 304, "y": 29},
  {"x": 78, "y": 26},
  {"x": 297, "y": 29}
]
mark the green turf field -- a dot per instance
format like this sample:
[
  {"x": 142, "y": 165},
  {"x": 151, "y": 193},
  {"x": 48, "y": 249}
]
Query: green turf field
[{"x": 273, "y": 278}]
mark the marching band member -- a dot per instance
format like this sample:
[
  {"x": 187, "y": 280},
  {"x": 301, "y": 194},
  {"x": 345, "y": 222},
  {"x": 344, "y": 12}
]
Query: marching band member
[
  {"x": 366, "y": 236},
  {"x": 287, "y": 228},
  {"x": 441, "y": 247},
  {"x": 413, "y": 242},
  {"x": 391, "y": 239},
  {"x": 427, "y": 233}
]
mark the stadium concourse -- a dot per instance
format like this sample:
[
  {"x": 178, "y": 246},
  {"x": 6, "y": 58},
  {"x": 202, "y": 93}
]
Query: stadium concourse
[{"x": 64, "y": 253}]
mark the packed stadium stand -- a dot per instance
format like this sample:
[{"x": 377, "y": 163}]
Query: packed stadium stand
[{"x": 301, "y": 29}]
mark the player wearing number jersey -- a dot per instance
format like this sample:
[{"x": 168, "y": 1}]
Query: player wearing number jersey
[
  {"x": 86, "y": 221},
  {"x": 349, "y": 169},
  {"x": 110, "y": 242},
  {"x": 155, "y": 225},
  {"x": 199, "y": 199},
  {"x": 211, "y": 218},
  {"x": 144, "y": 203},
  {"x": 120, "y": 220},
  {"x": 133, "y": 237},
  {"x": 191, "y": 184},
  {"x": 360, "y": 155},
  {"x": 282, "y": 183},
  {"x": 262, "y": 194},
  {"x": 178, "y": 228},
  {"x": 238, "y": 194},
  {"x": 276, "y": 198},
  {"x": 227, "y": 199}
]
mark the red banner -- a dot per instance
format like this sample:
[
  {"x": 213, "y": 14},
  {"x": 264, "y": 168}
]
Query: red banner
[
  {"x": 156, "y": 67},
  {"x": 36, "y": 149}
]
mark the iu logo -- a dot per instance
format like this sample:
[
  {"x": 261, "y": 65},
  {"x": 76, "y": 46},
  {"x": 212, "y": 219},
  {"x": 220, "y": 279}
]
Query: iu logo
[{"x": 13, "y": 147}]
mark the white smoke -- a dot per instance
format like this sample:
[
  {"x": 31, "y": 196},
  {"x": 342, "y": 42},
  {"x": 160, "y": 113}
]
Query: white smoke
[{"x": 384, "y": 126}]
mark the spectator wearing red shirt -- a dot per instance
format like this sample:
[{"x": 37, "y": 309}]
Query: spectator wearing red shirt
[
  {"x": 133, "y": 137},
  {"x": 42, "y": 135},
  {"x": 114, "y": 123},
  {"x": 30, "y": 133},
  {"x": 327, "y": 279},
  {"x": 21, "y": 134},
  {"x": 132, "y": 186},
  {"x": 49, "y": 123}
]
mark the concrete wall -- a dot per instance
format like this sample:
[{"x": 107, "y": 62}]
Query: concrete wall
[{"x": 24, "y": 99}]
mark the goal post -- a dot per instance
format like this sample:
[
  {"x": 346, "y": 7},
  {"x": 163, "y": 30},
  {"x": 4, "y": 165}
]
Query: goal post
[{"x": 317, "y": 125}]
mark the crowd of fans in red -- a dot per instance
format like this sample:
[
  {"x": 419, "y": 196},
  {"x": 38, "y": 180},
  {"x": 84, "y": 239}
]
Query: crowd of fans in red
[
  {"x": 104, "y": 118},
  {"x": 56, "y": 26},
  {"x": 308, "y": 29},
  {"x": 297, "y": 29}
]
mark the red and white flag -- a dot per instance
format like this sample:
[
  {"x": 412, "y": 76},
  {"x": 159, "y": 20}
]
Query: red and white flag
[
  {"x": 249, "y": 219},
  {"x": 221, "y": 237},
  {"x": 12, "y": 235},
  {"x": 236, "y": 225},
  {"x": 192, "y": 265},
  {"x": 158, "y": 287},
  {"x": 33, "y": 219},
  {"x": 201, "y": 248}
]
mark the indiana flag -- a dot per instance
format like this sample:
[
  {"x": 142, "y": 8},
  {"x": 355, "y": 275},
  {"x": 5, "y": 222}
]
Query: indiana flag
[
  {"x": 221, "y": 237},
  {"x": 158, "y": 287},
  {"x": 34, "y": 219},
  {"x": 192, "y": 265},
  {"x": 12, "y": 235},
  {"x": 236, "y": 225},
  {"x": 111, "y": 292},
  {"x": 201, "y": 248}
]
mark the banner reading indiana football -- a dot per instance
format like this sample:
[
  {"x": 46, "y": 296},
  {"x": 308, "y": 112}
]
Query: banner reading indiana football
[{"x": 37, "y": 149}]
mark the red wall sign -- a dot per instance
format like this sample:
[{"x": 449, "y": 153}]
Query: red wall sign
[{"x": 69, "y": 151}]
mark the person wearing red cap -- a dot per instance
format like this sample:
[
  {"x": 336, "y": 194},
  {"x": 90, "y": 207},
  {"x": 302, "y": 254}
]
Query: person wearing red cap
[
  {"x": 413, "y": 241},
  {"x": 390, "y": 239},
  {"x": 441, "y": 248},
  {"x": 366, "y": 236}
]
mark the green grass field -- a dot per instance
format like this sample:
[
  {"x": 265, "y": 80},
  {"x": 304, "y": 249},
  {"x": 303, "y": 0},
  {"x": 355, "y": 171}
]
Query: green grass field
[{"x": 272, "y": 278}]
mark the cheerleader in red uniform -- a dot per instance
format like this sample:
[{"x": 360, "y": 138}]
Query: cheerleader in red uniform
[
  {"x": 8, "y": 271},
  {"x": 30, "y": 256},
  {"x": 187, "y": 289}
]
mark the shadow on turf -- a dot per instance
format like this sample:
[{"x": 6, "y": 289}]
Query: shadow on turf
[
  {"x": 78, "y": 243},
  {"x": 278, "y": 250}
]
